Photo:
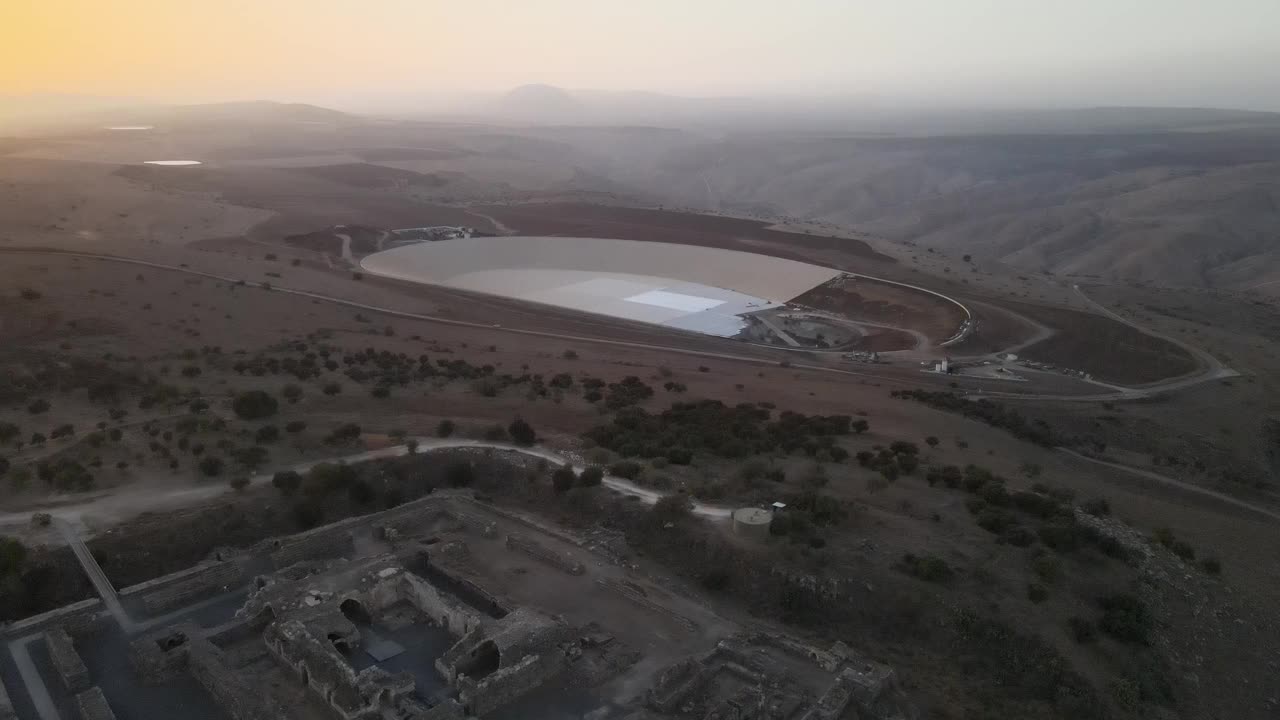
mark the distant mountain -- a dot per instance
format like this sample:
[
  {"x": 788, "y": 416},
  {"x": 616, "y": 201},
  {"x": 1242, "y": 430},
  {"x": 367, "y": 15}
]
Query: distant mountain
[
  {"x": 37, "y": 111},
  {"x": 855, "y": 114},
  {"x": 251, "y": 112},
  {"x": 540, "y": 103},
  {"x": 1196, "y": 206}
]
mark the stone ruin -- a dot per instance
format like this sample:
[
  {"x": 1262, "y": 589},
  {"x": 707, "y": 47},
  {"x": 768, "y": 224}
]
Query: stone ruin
[
  {"x": 302, "y": 615},
  {"x": 772, "y": 677},
  {"x": 296, "y": 647}
]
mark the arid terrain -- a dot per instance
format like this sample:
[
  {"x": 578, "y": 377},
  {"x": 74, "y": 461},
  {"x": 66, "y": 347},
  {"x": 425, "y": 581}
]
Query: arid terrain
[{"x": 1029, "y": 494}]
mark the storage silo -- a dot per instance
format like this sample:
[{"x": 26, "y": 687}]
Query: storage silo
[{"x": 752, "y": 522}]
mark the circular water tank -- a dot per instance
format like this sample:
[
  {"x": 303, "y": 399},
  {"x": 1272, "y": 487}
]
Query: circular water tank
[{"x": 752, "y": 522}]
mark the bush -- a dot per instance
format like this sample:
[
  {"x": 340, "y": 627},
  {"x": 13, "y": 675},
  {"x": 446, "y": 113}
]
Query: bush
[
  {"x": 445, "y": 428},
  {"x": 996, "y": 520},
  {"x": 266, "y": 434},
  {"x": 929, "y": 568},
  {"x": 495, "y": 433},
  {"x": 239, "y": 483},
  {"x": 628, "y": 469},
  {"x": 1082, "y": 630},
  {"x": 522, "y": 432},
  {"x": 591, "y": 476},
  {"x": 1097, "y": 507},
  {"x": 254, "y": 405},
  {"x": 332, "y": 388},
  {"x": 1037, "y": 593},
  {"x": 459, "y": 474},
  {"x": 251, "y": 457},
  {"x": 211, "y": 465},
  {"x": 1211, "y": 565},
  {"x": 295, "y": 426},
  {"x": 1046, "y": 567},
  {"x": 344, "y": 433},
  {"x": 287, "y": 482},
  {"x": 1125, "y": 618},
  {"x": 39, "y": 406},
  {"x": 381, "y": 392},
  {"x": 1036, "y": 504},
  {"x": 949, "y": 475},
  {"x": 308, "y": 514},
  {"x": 1183, "y": 550},
  {"x": 908, "y": 463},
  {"x": 1017, "y": 536},
  {"x": 671, "y": 508},
  {"x": 563, "y": 479},
  {"x": 679, "y": 456}
]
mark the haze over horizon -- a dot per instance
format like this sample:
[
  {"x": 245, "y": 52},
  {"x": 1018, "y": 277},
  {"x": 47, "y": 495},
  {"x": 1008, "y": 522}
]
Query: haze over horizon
[{"x": 1000, "y": 53}]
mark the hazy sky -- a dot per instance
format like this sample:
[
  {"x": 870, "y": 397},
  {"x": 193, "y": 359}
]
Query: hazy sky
[{"x": 1208, "y": 52}]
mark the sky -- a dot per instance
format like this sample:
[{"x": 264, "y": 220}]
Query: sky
[{"x": 977, "y": 52}]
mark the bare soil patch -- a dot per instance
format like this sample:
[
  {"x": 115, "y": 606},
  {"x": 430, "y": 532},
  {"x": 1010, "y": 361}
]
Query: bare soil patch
[
  {"x": 862, "y": 299},
  {"x": 673, "y": 227},
  {"x": 1105, "y": 348},
  {"x": 995, "y": 329},
  {"x": 364, "y": 175}
]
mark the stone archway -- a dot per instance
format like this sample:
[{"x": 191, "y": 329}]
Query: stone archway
[{"x": 355, "y": 611}]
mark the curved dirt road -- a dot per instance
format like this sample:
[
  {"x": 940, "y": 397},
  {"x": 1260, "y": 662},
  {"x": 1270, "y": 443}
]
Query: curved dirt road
[{"x": 1214, "y": 369}]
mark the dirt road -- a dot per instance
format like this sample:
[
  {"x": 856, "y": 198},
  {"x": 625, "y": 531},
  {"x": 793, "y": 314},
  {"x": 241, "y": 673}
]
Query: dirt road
[{"x": 111, "y": 509}]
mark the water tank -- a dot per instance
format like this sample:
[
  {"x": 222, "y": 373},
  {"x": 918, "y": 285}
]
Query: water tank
[{"x": 752, "y": 522}]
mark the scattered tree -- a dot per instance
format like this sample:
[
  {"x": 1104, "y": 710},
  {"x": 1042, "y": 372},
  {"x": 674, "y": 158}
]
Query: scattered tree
[
  {"x": 522, "y": 432},
  {"x": 292, "y": 393},
  {"x": 211, "y": 465},
  {"x": 287, "y": 482},
  {"x": 591, "y": 476},
  {"x": 254, "y": 405},
  {"x": 563, "y": 479}
]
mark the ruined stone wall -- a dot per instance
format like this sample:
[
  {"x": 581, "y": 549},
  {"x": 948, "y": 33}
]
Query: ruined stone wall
[
  {"x": 331, "y": 542},
  {"x": 163, "y": 655},
  {"x": 541, "y": 552},
  {"x": 62, "y": 652},
  {"x": 635, "y": 597},
  {"x": 209, "y": 579},
  {"x": 6, "y": 705},
  {"x": 164, "y": 581},
  {"x": 237, "y": 698},
  {"x": 93, "y": 705},
  {"x": 445, "y": 610},
  {"x": 509, "y": 683},
  {"x": 464, "y": 589},
  {"x": 447, "y": 710},
  {"x": 410, "y": 522},
  {"x": 826, "y": 660},
  {"x": 676, "y": 683},
  {"x": 531, "y": 523},
  {"x": 76, "y": 618},
  {"x": 447, "y": 663},
  {"x": 474, "y": 523}
]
